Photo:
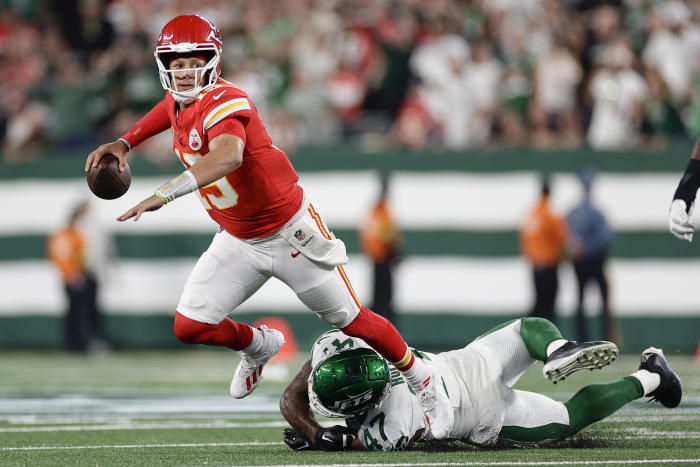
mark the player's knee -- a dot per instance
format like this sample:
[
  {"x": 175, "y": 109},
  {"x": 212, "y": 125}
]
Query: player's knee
[
  {"x": 532, "y": 321},
  {"x": 329, "y": 303},
  {"x": 185, "y": 329},
  {"x": 336, "y": 318}
]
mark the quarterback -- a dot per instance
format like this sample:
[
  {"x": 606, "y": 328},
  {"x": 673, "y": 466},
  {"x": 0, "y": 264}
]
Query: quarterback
[
  {"x": 344, "y": 378},
  {"x": 268, "y": 224}
]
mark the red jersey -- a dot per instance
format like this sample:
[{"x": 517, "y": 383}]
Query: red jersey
[{"x": 261, "y": 195}]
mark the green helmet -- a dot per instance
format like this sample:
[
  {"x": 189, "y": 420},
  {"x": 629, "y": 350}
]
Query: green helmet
[{"x": 349, "y": 383}]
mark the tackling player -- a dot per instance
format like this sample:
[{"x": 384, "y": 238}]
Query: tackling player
[
  {"x": 268, "y": 225},
  {"x": 344, "y": 378}
]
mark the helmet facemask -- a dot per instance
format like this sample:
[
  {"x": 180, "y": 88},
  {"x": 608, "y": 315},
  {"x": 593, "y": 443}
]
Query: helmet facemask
[
  {"x": 349, "y": 383},
  {"x": 204, "y": 77}
]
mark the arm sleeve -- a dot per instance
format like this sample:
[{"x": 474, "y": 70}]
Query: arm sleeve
[{"x": 154, "y": 122}]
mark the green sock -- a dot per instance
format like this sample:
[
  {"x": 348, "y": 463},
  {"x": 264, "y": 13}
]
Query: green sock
[
  {"x": 597, "y": 401},
  {"x": 538, "y": 333}
]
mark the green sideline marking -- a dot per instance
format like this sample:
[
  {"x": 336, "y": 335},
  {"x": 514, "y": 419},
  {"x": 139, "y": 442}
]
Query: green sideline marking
[
  {"x": 488, "y": 243},
  {"x": 350, "y": 157}
]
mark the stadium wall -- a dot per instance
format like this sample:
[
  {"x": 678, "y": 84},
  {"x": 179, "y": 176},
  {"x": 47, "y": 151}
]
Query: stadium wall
[{"x": 459, "y": 212}]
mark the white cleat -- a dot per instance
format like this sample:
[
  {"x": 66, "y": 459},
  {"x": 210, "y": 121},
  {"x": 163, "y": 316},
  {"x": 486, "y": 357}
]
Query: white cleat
[
  {"x": 249, "y": 371},
  {"x": 574, "y": 356},
  {"x": 436, "y": 406}
]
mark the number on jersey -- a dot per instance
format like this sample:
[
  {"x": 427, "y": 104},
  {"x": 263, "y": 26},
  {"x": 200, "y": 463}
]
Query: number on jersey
[{"x": 227, "y": 197}]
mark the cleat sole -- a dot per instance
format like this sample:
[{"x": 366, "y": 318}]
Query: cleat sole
[{"x": 591, "y": 359}]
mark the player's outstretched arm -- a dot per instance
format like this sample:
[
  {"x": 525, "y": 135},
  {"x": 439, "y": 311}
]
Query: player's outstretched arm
[
  {"x": 294, "y": 404},
  {"x": 679, "y": 220},
  {"x": 306, "y": 433},
  {"x": 225, "y": 156}
]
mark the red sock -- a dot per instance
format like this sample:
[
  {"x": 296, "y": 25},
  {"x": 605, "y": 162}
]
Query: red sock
[
  {"x": 228, "y": 333},
  {"x": 379, "y": 333}
]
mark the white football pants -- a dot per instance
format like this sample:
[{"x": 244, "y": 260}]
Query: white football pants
[
  {"x": 522, "y": 408},
  {"x": 232, "y": 270}
]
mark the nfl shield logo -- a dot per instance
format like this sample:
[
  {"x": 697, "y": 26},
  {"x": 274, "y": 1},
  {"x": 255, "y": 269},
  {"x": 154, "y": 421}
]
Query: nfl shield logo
[
  {"x": 299, "y": 235},
  {"x": 195, "y": 140}
]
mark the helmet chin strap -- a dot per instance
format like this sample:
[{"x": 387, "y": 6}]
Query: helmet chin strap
[{"x": 183, "y": 98}]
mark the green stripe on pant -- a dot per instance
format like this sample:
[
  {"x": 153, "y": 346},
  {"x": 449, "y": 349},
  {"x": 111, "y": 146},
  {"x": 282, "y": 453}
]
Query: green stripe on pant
[{"x": 590, "y": 404}]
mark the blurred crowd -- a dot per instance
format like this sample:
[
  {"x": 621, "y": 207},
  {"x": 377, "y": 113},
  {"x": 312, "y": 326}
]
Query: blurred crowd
[{"x": 417, "y": 74}]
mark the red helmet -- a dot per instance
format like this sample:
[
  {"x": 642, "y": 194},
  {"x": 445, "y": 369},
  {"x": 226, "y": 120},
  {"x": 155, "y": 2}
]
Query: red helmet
[{"x": 189, "y": 34}]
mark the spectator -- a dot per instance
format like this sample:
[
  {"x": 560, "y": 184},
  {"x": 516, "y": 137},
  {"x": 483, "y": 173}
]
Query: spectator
[
  {"x": 590, "y": 238},
  {"x": 671, "y": 52},
  {"x": 618, "y": 93},
  {"x": 557, "y": 77},
  {"x": 70, "y": 92},
  {"x": 441, "y": 64},
  {"x": 542, "y": 237},
  {"x": 483, "y": 82},
  {"x": 413, "y": 124},
  {"x": 464, "y": 75},
  {"x": 671, "y": 64}
]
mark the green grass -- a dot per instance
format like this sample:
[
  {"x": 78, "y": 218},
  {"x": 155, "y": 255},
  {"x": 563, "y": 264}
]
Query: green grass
[{"x": 173, "y": 408}]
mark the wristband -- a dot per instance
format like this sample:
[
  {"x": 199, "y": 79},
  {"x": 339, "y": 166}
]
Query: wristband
[
  {"x": 126, "y": 143},
  {"x": 179, "y": 186},
  {"x": 689, "y": 184}
]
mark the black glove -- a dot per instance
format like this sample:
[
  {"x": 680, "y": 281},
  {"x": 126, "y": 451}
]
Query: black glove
[
  {"x": 296, "y": 440},
  {"x": 335, "y": 438}
]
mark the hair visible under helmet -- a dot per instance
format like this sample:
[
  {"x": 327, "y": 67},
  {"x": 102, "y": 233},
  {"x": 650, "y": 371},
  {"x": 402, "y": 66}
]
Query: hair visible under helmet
[
  {"x": 348, "y": 383},
  {"x": 184, "y": 36}
]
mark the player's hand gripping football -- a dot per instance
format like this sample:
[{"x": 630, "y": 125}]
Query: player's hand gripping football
[
  {"x": 335, "y": 438},
  {"x": 117, "y": 148},
  {"x": 679, "y": 221},
  {"x": 152, "y": 203}
]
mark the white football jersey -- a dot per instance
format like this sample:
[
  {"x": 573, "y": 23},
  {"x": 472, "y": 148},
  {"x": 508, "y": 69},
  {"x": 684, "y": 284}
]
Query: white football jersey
[{"x": 399, "y": 417}]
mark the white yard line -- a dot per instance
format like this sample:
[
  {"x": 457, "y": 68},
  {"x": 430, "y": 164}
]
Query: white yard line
[
  {"x": 143, "y": 426},
  {"x": 194, "y": 445},
  {"x": 466, "y": 464},
  {"x": 652, "y": 418},
  {"x": 138, "y": 446}
]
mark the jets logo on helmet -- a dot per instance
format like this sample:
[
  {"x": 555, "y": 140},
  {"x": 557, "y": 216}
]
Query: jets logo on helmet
[
  {"x": 352, "y": 401},
  {"x": 189, "y": 34},
  {"x": 349, "y": 382}
]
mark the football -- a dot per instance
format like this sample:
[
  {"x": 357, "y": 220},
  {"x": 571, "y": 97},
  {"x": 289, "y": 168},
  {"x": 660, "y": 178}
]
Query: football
[{"x": 106, "y": 181}]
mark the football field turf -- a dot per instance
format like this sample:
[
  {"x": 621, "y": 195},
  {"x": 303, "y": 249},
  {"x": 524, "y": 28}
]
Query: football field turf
[{"x": 173, "y": 408}]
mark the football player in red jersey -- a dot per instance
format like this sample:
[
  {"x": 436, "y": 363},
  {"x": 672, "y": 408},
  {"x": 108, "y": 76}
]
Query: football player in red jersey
[{"x": 268, "y": 225}]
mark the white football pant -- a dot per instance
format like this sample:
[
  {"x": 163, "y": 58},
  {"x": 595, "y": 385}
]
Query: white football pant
[{"x": 232, "y": 270}]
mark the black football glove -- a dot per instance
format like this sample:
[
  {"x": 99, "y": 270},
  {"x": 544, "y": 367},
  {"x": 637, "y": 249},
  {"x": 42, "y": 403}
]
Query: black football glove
[
  {"x": 335, "y": 438},
  {"x": 296, "y": 440}
]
